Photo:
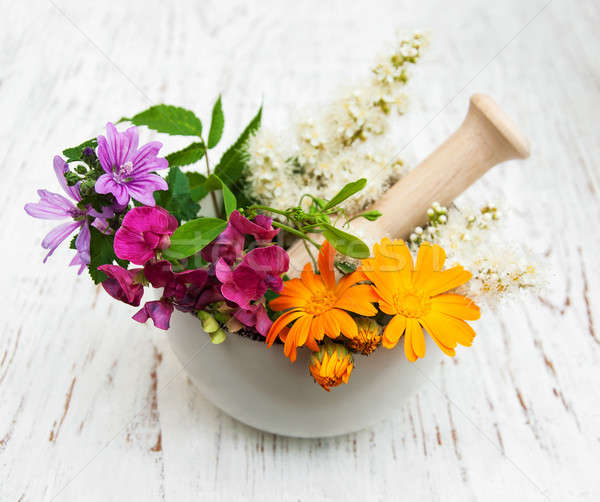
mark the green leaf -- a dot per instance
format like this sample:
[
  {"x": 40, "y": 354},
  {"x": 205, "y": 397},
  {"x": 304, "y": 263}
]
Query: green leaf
[
  {"x": 217, "y": 123},
  {"x": 75, "y": 153},
  {"x": 213, "y": 182},
  {"x": 231, "y": 166},
  {"x": 197, "y": 185},
  {"x": 370, "y": 215},
  {"x": 194, "y": 236},
  {"x": 349, "y": 190},
  {"x": 190, "y": 154},
  {"x": 101, "y": 253},
  {"x": 177, "y": 199},
  {"x": 168, "y": 119},
  {"x": 344, "y": 242}
]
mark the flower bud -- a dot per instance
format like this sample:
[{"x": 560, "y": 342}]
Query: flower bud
[
  {"x": 368, "y": 338},
  {"x": 209, "y": 323},
  {"x": 331, "y": 366}
]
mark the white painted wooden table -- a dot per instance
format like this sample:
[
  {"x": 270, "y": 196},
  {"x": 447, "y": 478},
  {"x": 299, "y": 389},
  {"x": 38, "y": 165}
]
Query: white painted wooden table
[{"x": 95, "y": 407}]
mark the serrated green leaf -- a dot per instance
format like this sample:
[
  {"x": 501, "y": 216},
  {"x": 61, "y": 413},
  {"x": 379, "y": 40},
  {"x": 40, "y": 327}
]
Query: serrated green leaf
[
  {"x": 231, "y": 166},
  {"x": 347, "y": 191},
  {"x": 194, "y": 236},
  {"x": 213, "y": 182},
  {"x": 190, "y": 154},
  {"x": 75, "y": 152},
  {"x": 217, "y": 123},
  {"x": 177, "y": 199},
  {"x": 101, "y": 253},
  {"x": 344, "y": 242},
  {"x": 197, "y": 188},
  {"x": 169, "y": 119}
]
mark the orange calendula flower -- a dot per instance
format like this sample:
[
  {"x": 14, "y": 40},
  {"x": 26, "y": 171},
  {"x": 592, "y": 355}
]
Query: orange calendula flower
[
  {"x": 331, "y": 366},
  {"x": 416, "y": 295},
  {"x": 317, "y": 305}
]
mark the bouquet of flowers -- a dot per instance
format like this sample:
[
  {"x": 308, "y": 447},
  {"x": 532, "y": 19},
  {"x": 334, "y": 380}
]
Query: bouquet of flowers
[{"x": 132, "y": 229}]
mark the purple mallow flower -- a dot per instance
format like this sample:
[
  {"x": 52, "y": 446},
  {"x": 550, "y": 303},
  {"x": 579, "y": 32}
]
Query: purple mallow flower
[
  {"x": 129, "y": 169},
  {"x": 143, "y": 231},
  {"x": 260, "y": 270},
  {"x": 230, "y": 244},
  {"x": 53, "y": 206}
]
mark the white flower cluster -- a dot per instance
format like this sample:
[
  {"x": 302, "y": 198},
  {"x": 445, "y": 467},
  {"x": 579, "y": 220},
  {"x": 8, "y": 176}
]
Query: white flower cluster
[
  {"x": 474, "y": 239},
  {"x": 332, "y": 150}
]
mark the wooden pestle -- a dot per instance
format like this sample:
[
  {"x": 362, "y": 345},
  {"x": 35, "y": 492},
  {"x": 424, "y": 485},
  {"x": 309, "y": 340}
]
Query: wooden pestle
[{"x": 485, "y": 138}]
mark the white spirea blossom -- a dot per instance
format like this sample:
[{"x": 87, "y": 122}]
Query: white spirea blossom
[
  {"x": 332, "y": 149},
  {"x": 476, "y": 239}
]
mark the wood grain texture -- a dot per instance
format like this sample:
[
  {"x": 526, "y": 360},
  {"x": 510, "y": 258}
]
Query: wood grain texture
[{"x": 94, "y": 407}]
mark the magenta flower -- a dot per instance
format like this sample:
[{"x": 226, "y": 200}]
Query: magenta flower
[
  {"x": 160, "y": 274},
  {"x": 124, "y": 285},
  {"x": 143, "y": 231},
  {"x": 230, "y": 244},
  {"x": 53, "y": 206},
  {"x": 159, "y": 311},
  {"x": 260, "y": 270},
  {"x": 255, "y": 317},
  {"x": 128, "y": 171}
]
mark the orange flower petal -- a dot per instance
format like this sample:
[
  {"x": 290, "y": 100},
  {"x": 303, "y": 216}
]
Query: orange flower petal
[
  {"x": 312, "y": 281},
  {"x": 418, "y": 338},
  {"x": 412, "y": 331},
  {"x": 296, "y": 337},
  {"x": 317, "y": 328},
  {"x": 430, "y": 259},
  {"x": 296, "y": 288},
  {"x": 286, "y": 302},
  {"x": 348, "y": 281},
  {"x": 358, "y": 299},
  {"x": 457, "y": 306},
  {"x": 440, "y": 282},
  {"x": 393, "y": 331},
  {"x": 345, "y": 322},
  {"x": 280, "y": 323},
  {"x": 325, "y": 262},
  {"x": 330, "y": 325}
]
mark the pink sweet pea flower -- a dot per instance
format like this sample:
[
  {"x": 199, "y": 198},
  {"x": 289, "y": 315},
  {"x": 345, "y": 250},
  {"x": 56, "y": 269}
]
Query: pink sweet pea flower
[
  {"x": 129, "y": 170},
  {"x": 122, "y": 284},
  {"x": 230, "y": 244},
  {"x": 160, "y": 274},
  {"x": 260, "y": 270},
  {"x": 159, "y": 311},
  {"x": 143, "y": 231},
  {"x": 255, "y": 317}
]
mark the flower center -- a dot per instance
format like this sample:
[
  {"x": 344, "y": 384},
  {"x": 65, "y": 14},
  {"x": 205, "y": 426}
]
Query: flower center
[
  {"x": 411, "y": 303},
  {"x": 124, "y": 172},
  {"x": 320, "y": 302}
]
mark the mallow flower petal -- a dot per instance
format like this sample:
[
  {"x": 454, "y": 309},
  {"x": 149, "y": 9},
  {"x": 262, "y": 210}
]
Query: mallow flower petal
[
  {"x": 60, "y": 168},
  {"x": 142, "y": 188},
  {"x": 57, "y": 235}
]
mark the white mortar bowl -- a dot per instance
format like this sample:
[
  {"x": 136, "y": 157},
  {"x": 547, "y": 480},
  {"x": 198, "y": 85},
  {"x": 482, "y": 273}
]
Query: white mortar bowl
[{"x": 261, "y": 388}]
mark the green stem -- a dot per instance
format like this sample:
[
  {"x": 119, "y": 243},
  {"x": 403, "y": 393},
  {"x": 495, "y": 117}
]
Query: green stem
[
  {"x": 269, "y": 209},
  {"x": 213, "y": 196},
  {"x": 315, "y": 267}
]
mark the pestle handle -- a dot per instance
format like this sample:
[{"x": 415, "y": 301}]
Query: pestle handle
[{"x": 486, "y": 137}]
